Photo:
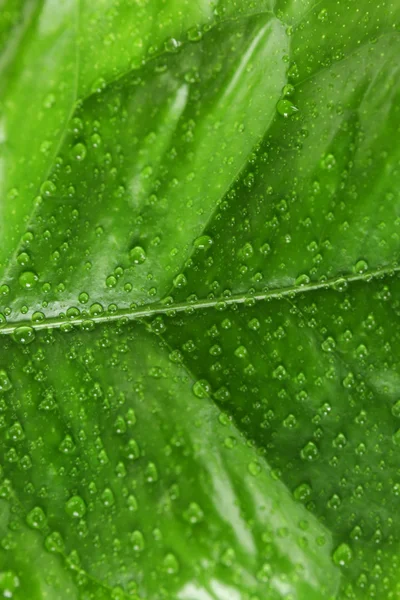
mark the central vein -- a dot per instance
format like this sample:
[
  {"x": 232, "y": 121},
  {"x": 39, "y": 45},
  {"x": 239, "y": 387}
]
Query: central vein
[{"x": 220, "y": 303}]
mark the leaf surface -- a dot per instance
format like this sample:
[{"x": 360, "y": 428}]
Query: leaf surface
[{"x": 199, "y": 315}]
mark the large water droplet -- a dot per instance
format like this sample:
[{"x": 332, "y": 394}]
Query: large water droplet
[{"x": 24, "y": 335}]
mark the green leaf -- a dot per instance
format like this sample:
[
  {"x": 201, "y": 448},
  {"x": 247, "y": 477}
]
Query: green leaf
[{"x": 199, "y": 315}]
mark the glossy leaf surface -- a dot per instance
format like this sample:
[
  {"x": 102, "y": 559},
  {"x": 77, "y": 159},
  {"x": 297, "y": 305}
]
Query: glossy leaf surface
[{"x": 199, "y": 314}]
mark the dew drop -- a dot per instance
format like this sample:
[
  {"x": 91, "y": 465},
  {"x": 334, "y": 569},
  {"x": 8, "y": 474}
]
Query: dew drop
[
  {"x": 48, "y": 189},
  {"x": 107, "y": 498},
  {"x": 201, "y": 388},
  {"x": 75, "y": 507},
  {"x": 83, "y": 297},
  {"x": 151, "y": 473},
  {"x": 180, "y": 281},
  {"x": 303, "y": 492},
  {"x": 309, "y": 452},
  {"x": 203, "y": 242},
  {"x": 5, "y": 383},
  {"x": 137, "y": 540},
  {"x": 28, "y": 280},
  {"x": 286, "y": 108},
  {"x": 24, "y": 335},
  {"x": 193, "y": 514},
  {"x": 254, "y": 468},
  {"x": 170, "y": 564},
  {"x": 328, "y": 345},
  {"x": 9, "y": 582},
  {"x": 36, "y": 519},
  {"x": 111, "y": 281},
  {"x": 137, "y": 255},
  {"x": 54, "y": 542},
  {"x": 67, "y": 445},
  {"x": 79, "y": 152},
  {"x": 396, "y": 409},
  {"x": 361, "y": 267},
  {"x": 343, "y": 555}
]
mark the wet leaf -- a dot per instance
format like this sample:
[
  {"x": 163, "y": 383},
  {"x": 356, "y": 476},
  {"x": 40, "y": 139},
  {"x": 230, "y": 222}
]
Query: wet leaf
[{"x": 199, "y": 314}]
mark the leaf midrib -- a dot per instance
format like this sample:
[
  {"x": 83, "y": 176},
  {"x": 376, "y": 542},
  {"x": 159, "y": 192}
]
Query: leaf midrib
[{"x": 221, "y": 302}]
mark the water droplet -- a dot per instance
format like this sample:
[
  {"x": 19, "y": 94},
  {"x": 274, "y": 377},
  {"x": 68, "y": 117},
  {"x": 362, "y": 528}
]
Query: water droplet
[
  {"x": 254, "y": 324},
  {"x": 302, "y": 279},
  {"x": 132, "y": 450},
  {"x": 54, "y": 542},
  {"x": 288, "y": 90},
  {"x": 201, "y": 388},
  {"x": 75, "y": 507},
  {"x": 340, "y": 441},
  {"x": 265, "y": 249},
  {"x": 309, "y": 452},
  {"x": 98, "y": 86},
  {"x": 194, "y": 34},
  {"x": 24, "y": 335},
  {"x": 279, "y": 373},
  {"x": 151, "y": 473},
  {"x": 328, "y": 162},
  {"x": 290, "y": 422},
  {"x": 96, "y": 309},
  {"x": 254, "y": 468},
  {"x": 264, "y": 574},
  {"x": 170, "y": 564},
  {"x": 9, "y": 583},
  {"x": 180, "y": 281},
  {"x": 303, "y": 492},
  {"x": 228, "y": 557},
  {"x": 36, "y": 519},
  {"x": 396, "y": 409},
  {"x": 95, "y": 140},
  {"x": 246, "y": 251},
  {"x": 286, "y": 108},
  {"x": 328, "y": 345},
  {"x": 83, "y": 297},
  {"x": 16, "y": 433},
  {"x": 396, "y": 438},
  {"x": 361, "y": 267},
  {"x": 137, "y": 255},
  {"x": 28, "y": 280},
  {"x": 343, "y": 555},
  {"x": 193, "y": 514},
  {"x": 111, "y": 281},
  {"x": 137, "y": 540},
  {"x": 48, "y": 189},
  {"x": 172, "y": 45},
  {"x": 107, "y": 498},
  {"x": 67, "y": 445},
  {"x": 23, "y": 259},
  {"x": 79, "y": 152},
  {"x": 158, "y": 325},
  {"x": 323, "y": 15},
  {"x": 203, "y": 242},
  {"x": 241, "y": 352},
  {"x": 334, "y": 502},
  {"x": 5, "y": 383}
]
